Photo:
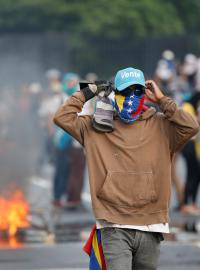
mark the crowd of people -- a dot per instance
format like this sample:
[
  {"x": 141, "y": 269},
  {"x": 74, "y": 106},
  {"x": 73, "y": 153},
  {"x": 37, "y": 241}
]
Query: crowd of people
[
  {"x": 61, "y": 149},
  {"x": 181, "y": 80}
]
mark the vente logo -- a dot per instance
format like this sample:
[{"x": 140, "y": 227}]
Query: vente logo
[{"x": 130, "y": 74}]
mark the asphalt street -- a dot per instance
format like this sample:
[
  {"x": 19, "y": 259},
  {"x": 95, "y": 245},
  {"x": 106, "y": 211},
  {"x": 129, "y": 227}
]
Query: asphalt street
[{"x": 68, "y": 256}]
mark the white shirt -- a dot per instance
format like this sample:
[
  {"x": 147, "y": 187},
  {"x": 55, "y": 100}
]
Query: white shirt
[
  {"x": 88, "y": 109},
  {"x": 161, "y": 227}
]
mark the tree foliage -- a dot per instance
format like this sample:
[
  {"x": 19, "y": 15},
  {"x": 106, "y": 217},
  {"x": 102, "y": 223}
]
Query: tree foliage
[
  {"x": 93, "y": 25},
  {"x": 115, "y": 19}
]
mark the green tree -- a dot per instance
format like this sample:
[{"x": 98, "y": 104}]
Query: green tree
[
  {"x": 109, "y": 18},
  {"x": 92, "y": 24},
  {"x": 189, "y": 13}
]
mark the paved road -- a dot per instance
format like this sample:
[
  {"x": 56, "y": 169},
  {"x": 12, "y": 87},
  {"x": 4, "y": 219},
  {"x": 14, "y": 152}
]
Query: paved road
[{"x": 70, "y": 256}]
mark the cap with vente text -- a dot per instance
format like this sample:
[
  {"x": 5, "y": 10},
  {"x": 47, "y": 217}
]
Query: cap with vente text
[{"x": 128, "y": 76}]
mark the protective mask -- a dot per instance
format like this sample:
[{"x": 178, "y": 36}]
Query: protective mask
[{"x": 129, "y": 108}]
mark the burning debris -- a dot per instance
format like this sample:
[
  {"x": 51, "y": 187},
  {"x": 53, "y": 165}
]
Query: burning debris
[
  {"x": 21, "y": 223},
  {"x": 14, "y": 213}
]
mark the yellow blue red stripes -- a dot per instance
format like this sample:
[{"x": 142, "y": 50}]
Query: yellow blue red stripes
[
  {"x": 120, "y": 101},
  {"x": 94, "y": 249}
]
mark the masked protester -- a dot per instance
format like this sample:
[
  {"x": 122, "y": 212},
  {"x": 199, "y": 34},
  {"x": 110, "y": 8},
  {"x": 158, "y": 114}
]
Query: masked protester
[{"x": 130, "y": 167}]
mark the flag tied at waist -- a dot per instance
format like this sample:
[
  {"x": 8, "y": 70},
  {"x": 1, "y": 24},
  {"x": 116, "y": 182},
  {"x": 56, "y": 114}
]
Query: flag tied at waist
[{"x": 93, "y": 248}]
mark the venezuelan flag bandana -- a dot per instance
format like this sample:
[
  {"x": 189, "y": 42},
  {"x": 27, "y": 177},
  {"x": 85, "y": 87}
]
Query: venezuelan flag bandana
[
  {"x": 94, "y": 249},
  {"x": 129, "y": 108}
]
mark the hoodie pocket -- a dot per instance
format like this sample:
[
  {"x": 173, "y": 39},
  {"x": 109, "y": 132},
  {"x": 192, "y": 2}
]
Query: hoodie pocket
[{"x": 128, "y": 189}]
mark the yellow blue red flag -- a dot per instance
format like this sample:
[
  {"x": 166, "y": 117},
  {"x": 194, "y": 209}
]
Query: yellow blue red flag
[{"x": 93, "y": 248}]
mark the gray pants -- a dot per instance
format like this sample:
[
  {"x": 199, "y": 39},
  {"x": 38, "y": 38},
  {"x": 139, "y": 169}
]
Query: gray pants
[{"x": 127, "y": 249}]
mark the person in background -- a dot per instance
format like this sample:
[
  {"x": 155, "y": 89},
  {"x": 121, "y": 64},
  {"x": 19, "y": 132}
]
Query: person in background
[
  {"x": 191, "y": 153},
  {"x": 50, "y": 103},
  {"x": 130, "y": 167},
  {"x": 177, "y": 183},
  {"x": 70, "y": 84},
  {"x": 62, "y": 161},
  {"x": 35, "y": 93},
  {"x": 197, "y": 79},
  {"x": 190, "y": 66},
  {"x": 53, "y": 79},
  {"x": 165, "y": 73}
]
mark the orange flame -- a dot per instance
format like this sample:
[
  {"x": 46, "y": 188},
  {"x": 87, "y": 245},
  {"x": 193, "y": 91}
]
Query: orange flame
[{"x": 13, "y": 213}]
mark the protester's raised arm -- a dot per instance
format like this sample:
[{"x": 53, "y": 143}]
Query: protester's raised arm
[
  {"x": 67, "y": 117},
  {"x": 179, "y": 125}
]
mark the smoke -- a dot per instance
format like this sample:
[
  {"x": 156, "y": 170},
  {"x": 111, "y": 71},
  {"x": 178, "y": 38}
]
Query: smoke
[{"x": 24, "y": 61}]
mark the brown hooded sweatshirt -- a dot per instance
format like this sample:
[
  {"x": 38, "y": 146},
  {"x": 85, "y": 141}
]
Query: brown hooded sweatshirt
[{"x": 130, "y": 168}]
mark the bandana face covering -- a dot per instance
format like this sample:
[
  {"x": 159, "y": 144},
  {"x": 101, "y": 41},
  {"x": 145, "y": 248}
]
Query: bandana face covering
[{"x": 129, "y": 107}]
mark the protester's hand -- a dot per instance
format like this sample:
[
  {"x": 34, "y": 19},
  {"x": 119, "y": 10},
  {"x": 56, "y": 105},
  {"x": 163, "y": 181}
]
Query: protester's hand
[
  {"x": 103, "y": 88},
  {"x": 153, "y": 92},
  {"x": 99, "y": 87}
]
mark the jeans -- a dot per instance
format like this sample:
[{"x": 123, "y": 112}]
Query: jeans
[
  {"x": 76, "y": 177},
  {"x": 61, "y": 176},
  {"x": 127, "y": 249},
  {"x": 193, "y": 173}
]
